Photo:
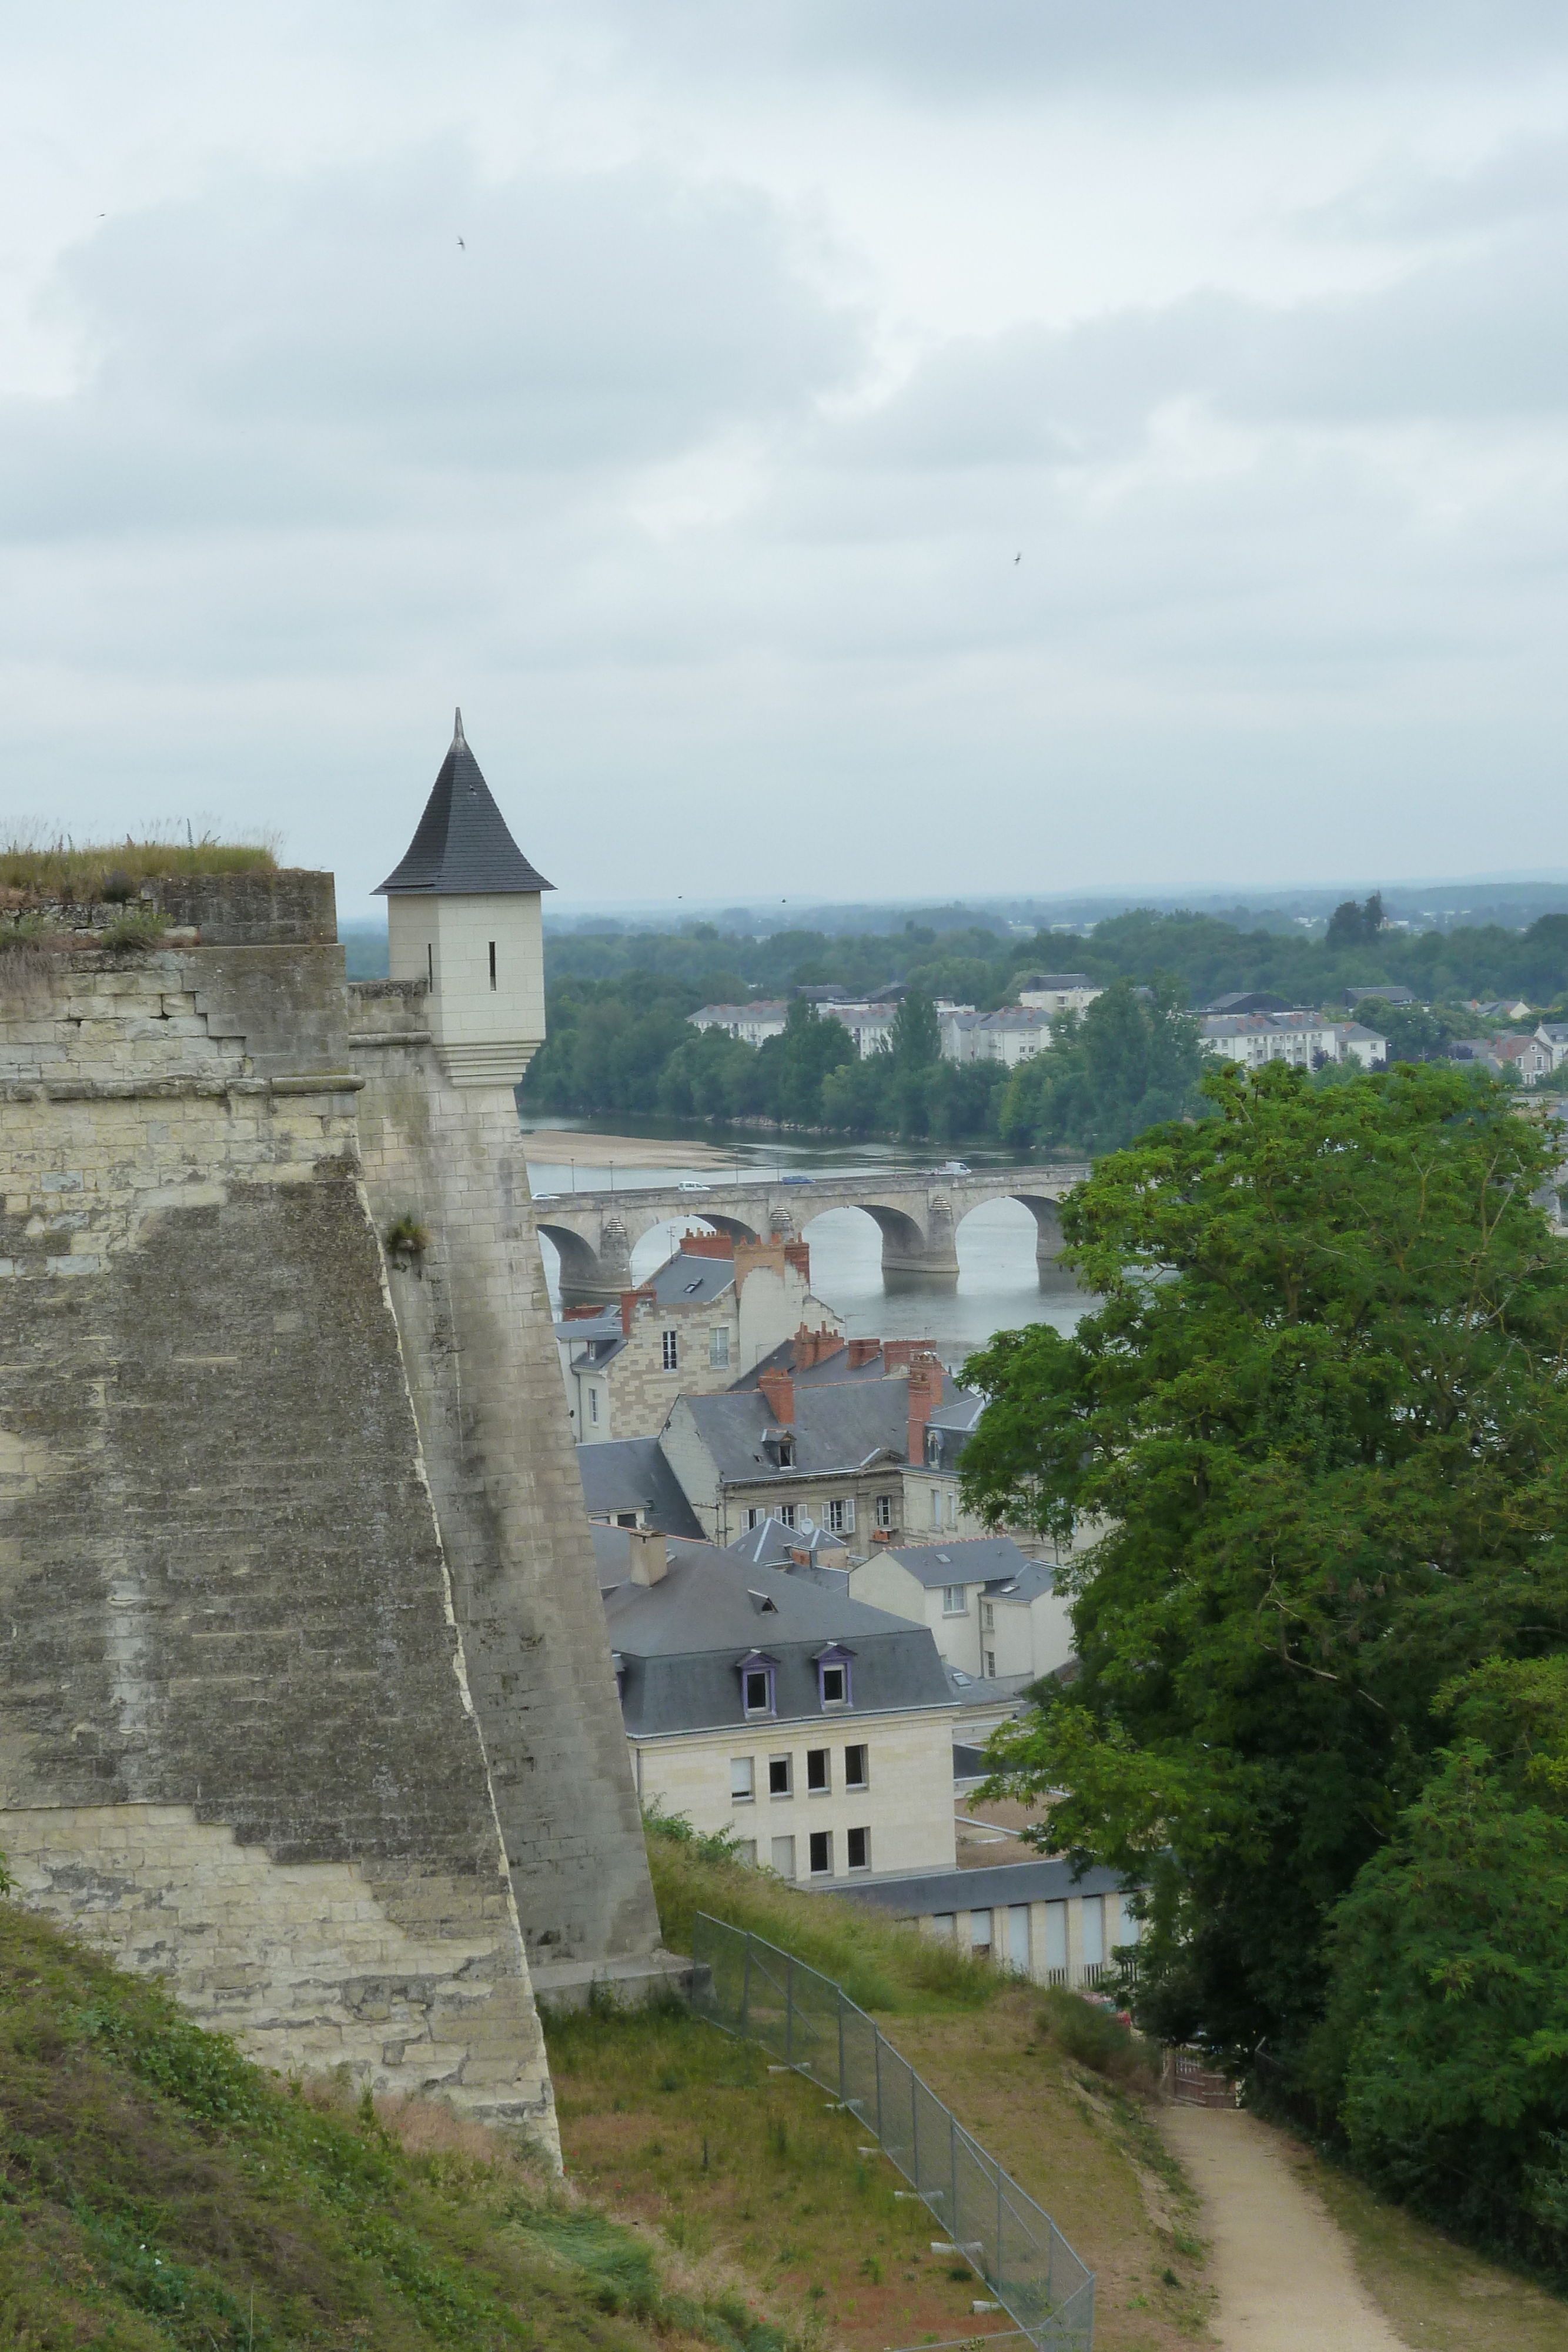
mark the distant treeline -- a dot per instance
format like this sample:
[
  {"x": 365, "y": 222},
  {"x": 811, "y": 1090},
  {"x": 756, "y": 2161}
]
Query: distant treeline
[
  {"x": 626, "y": 1046},
  {"x": 1205, "y": 956},
  {"x": 619, "y": 1042}
]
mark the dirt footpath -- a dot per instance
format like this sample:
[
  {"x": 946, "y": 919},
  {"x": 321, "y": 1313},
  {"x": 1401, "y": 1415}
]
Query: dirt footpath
[{"x": 1281, "y": 2266}]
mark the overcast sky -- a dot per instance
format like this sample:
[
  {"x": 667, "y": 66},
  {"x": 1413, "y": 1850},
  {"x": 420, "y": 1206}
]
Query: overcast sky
[{"x": 699, "y": 472}]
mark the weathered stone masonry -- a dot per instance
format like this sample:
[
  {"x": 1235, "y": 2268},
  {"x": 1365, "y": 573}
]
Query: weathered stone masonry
[{"x": 236, "y": 1741}]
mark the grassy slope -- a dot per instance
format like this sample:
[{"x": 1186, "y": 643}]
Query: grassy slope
[
  {"x": 157, "y": 2190},
  {"x": 633, "y": 2109}
]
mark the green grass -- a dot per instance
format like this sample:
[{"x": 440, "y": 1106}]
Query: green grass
[
  {"x": 881, "y": 1963},
  {"x": 59, "y": 869},
  {"x": 157, "y": 2190}
]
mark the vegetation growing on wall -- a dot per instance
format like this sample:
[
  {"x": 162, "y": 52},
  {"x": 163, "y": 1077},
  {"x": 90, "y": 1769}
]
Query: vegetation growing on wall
[
  {"x": 1322, "y": 1412},
  {"x": 95, "y": 872}
]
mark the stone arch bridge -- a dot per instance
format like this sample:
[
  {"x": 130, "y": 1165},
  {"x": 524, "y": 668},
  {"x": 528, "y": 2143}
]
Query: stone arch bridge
[{"x": 919, "y": 1216}]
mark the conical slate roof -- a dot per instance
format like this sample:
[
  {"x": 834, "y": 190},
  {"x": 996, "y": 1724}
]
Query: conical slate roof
[{"x": 463, "y": 849}]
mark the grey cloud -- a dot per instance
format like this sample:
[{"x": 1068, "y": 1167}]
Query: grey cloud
[
  {"x": 324, "y": 349},
  {"x": 992, "y": 49}
]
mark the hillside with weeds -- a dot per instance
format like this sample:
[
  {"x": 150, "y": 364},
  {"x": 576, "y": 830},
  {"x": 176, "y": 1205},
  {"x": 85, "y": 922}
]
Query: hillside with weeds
[
  {"x": 158, "y": 2190},
  {"x": 881, "y": 1963}
]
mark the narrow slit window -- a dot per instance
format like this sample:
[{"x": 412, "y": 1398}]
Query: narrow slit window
[
  {"x": 430, "y": 963},
  {"x": 492, "y": 965}
]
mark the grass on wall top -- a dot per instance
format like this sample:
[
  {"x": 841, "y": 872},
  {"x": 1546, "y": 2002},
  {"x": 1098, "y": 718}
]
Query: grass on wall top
[{"x": 85, "y": 873}]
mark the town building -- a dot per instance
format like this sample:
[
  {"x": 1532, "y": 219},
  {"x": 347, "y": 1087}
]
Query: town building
[
  {"x": 860, "y": 1438},
  {"x": 1530, "y": 1058},
  {"x": 710, "y": 1313},
  {"x": 751, "y": 1024},
  {"x": 1056, "y": 991},
  {"x": 1303, "y": 1039},
  {"x": 1385, "y": 994},
  {"x": 992, "y": 1611},
  {"x": 1553, "y": 1035},
  {"x": 1251, "y": 1000},
  {"x": 1016, "y": 1033},
  {"x": 627, "y": 1483},
  {"x": 1035, "y": 1917},
  {"x": 816, "y": 1731}
]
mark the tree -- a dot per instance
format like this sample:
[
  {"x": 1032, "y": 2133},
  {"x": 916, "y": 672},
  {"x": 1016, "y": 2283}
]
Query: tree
[
  {"x": 1322, "y": 1418},
  {"x": 1445, "y": 2047},
  {"x": 1133, "y": 1057},
  {"x": 916, "y": 1037},
  {"x": 1354, "y": 926}
]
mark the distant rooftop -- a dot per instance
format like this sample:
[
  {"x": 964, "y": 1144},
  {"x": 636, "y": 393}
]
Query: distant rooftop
[{"x": 462, "y": 849}]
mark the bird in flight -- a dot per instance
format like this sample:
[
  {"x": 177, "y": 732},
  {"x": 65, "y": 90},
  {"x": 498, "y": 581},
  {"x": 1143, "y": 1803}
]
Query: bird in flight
[
  {"x": 461, "y": 247},
  {"x": 1018, "y": 558}
]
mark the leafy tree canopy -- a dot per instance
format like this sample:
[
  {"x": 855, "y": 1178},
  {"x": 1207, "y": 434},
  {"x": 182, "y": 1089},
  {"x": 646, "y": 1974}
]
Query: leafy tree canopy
[
  {"x": 1131, "y": 1058},
  {"x": 1319, "y": 1419}
]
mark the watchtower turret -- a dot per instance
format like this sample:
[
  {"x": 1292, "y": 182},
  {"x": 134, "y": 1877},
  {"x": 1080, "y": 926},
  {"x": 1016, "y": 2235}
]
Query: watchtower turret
[{"x": 463, "y": 915}]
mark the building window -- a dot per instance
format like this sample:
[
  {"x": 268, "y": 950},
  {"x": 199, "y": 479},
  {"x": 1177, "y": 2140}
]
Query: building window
[
  {"x": 942, "y": 1924},
  {"x": 718, "y": 1349},
  {"x": 787, "y": 1456},
  {"x": 833, "y": 1677},
  {"x": 821, "y": 1851},
  {"x": 625, "y": 1519},
  {"x": 780, "y": 1776},
  {"x": 953, "y": 1601},
  {"x": 744, "y": 1850},
  {"x": 980, "y": 1934},
  {"x": 884, "y": 1510},
  {"x": 593, "y": 1404},
  {"x": 817, "y": 1771},
  {"x": 753, "y": 1517},
  {"x": 857, "y": 1768},
  {"x": 786, "y": 1515},
  {"x": 1018, "y": 1937},
  {"x": 935, "y": 1507},
  {"x": 492, "y": 967},
  {"x": 857, "y": 1849},
  {"x": 784, "y": 1856},
  {"x": 757, "y": 1685},
  {"x": 987, "y": 1617},
  {"x": 429, "y": 965},
  {"x": 672, "y": 1341},
  {"x": 742, "y": 1780},
  {"x": 1093, "y": 1931},
  {"x": 990, "y": 1665},
  {"x": 842, "y": 1516},
  {"x": 953, "y": 1507}
]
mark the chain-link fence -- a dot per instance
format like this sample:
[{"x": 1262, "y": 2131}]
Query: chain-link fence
[{"x": 807, "y": 2021}]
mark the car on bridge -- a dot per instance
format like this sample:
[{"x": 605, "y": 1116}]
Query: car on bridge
[
  {"x": 797, "y": 1180},
  {"x": 954, "y": 1168},
  {"x": 690, "y": 1184}
]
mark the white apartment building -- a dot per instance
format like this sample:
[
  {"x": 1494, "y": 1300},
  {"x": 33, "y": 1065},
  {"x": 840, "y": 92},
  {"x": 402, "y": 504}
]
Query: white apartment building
[
  {"x": 1057, "y": 992},
  {"x": 1034, "y": 1918},
  {"x": 992, "y": 1611},
  {"x": 1302, "y": 1039},
  {"x": 1016, "y": 1033},
  {"x": 752, "y": 1023},
  {"x": 817, "y": 1731}
]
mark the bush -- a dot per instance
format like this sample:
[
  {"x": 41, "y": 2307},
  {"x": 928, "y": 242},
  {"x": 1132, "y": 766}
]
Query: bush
[
  {"x": 1097, "y": 2038},
  {"x": 142, "y": 930},
  {"x": 406, "y": 1238}
]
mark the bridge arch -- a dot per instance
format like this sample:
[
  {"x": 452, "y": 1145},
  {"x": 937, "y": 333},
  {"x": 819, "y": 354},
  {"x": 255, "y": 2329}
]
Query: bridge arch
[
  {"x": 908, "y": 1245},
  {"x": 581, "y": 1268},
  {"x": 1046, "y": 1211}
]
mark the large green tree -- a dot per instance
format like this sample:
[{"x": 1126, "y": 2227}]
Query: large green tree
[
  {"x": 1319, "y": 1419},
  {"x": 1133, "y": 1057}
]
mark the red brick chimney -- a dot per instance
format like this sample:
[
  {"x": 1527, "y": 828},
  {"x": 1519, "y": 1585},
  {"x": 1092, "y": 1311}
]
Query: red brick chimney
[
  {"x": 863, "y": 1351},
  {"x": 778, "y": 1388},
  {"x": 926, "y": 1379},
  {"x": 629, "y": 1300},
  {"x": 813, "y": 1347},
  {"x": 707, "y": 1245}
]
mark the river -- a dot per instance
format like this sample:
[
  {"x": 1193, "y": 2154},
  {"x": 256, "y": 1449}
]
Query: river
[{"x": 998, "y": 1285}]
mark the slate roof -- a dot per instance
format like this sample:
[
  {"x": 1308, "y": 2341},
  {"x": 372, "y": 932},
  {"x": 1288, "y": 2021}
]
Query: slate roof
[
  {"x": 683, "y": 1281},
  {"x": 461, "y": 847},
  {"x": 838, "y": 1428},
  {"x": 1041, "y": 1881},
  {"x": 680, "y": 1645},
  {"x": 773, "y": 1545},
  {"x": 612, "y": 1553},
  {"x": 994, "y": 1561},
  {"x": 630, "y": 1474}
]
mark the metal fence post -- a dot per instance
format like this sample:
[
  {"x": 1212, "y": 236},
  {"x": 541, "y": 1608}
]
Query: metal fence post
[
  {"x": 789, "y": 2009},
  {"x": 953, "y": 2172},
  {"x": 876, "y": 2055},
  {"x": 915, "y": 2129},
  {"x": 996, "y": 2278},
  {"x": 843, "y": 2086},
  {"x": 746, "y": 1987}
]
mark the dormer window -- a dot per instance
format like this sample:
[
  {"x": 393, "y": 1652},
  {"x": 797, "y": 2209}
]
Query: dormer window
[
  {"x": 834, "y": 1685},
  {"x": 757, "y": 1685},
  {"x": 786, "y": 1453}
]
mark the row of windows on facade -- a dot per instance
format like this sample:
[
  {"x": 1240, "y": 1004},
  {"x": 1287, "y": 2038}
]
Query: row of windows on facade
[
  {"x": 781, "y": 1773},
  {"x": 1005, "y": 1935},
  {"x": 836, "y": 1515},
  {"x": 819, "y": 1853},
  {"x": 718, "y": 1348},
  {"x": 758, "y": 1681}
]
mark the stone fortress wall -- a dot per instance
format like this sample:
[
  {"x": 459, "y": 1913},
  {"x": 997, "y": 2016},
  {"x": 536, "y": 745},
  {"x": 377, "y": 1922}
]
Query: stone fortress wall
[{"x": 303, "y": 1704}]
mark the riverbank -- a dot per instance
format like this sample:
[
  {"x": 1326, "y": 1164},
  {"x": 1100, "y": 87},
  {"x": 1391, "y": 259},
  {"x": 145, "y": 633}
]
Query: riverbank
[{"x": 562, "y": 1147}]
